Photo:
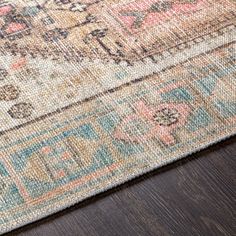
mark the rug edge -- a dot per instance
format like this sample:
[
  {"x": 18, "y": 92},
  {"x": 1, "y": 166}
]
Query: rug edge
[{"x": 132, "y": 177}]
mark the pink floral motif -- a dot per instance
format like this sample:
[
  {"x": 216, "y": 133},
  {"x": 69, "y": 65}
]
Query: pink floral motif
[
  {"x": 5, "y": 9},
  {"x": 149, "y": 122}
]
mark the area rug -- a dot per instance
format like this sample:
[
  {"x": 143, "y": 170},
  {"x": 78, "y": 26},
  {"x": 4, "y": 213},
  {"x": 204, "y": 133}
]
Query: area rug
[{"x": 96, "y": 92}]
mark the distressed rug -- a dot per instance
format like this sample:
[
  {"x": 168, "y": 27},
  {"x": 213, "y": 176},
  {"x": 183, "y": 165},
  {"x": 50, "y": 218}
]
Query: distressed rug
[{"x": 96, "y": 92}]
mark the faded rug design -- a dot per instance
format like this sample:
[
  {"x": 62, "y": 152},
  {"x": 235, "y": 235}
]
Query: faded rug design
[{"x": 96, "y": 92}]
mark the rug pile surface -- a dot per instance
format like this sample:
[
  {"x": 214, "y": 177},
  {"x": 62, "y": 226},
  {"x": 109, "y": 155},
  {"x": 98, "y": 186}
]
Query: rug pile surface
[{"x": 96, "y": 92}]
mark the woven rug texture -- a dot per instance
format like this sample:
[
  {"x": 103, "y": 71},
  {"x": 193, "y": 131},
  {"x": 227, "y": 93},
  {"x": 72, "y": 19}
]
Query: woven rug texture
[{"x": 94, "y": 93}]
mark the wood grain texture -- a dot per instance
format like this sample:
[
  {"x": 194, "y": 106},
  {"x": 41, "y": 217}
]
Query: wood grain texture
[{"x": 194, "y": 196}]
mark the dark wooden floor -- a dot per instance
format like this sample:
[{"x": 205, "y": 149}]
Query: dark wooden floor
[{"x": 195, "y": 196}]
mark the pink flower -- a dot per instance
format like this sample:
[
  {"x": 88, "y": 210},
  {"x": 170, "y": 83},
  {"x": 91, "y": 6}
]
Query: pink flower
[{"x": 153, "y": 122}]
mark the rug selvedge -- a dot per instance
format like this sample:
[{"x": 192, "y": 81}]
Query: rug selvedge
[{"x": 81, "y": 115}]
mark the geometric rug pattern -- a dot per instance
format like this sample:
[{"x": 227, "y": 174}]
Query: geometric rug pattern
[{"x": 96, "y": 92}]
